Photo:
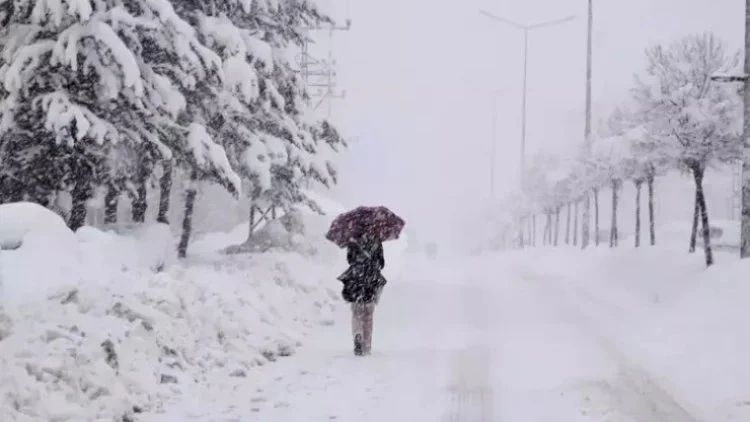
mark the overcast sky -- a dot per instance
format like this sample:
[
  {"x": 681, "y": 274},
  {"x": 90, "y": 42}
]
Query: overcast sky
[{"x": 419, "y": 75}]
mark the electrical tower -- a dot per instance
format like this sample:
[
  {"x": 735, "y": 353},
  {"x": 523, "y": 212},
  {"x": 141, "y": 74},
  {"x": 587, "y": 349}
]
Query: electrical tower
[{"x": 320, "y": 74}]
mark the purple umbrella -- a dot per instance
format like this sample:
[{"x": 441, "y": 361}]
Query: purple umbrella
[{"x": 379, "y": 222}]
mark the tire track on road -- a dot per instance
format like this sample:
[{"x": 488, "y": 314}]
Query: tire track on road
[
  {"x": 470, "y": 385},
  {"x": 635, "y": 394}
]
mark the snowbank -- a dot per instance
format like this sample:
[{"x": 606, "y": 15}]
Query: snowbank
[
  {"x": 139, "y": 339},
  {"x": 98, "y": 325},
  {"x": 22, "y": 219},
  {"x": 101, "y": 325},
  {"x": 40, "y": 254}
]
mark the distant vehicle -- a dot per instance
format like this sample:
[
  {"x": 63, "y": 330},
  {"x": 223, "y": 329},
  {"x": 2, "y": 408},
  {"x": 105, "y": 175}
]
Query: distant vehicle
[{"x": 431, "y": 250}]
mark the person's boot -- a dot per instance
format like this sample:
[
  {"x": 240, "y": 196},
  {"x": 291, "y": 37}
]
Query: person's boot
[{"x": 358, "y": 345}]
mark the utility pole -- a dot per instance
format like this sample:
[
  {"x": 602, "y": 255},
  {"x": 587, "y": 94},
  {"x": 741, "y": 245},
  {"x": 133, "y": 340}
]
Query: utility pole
[
  {"x": 745, "y": 206},
  {"x": 586, "y": 223},
  {"x": 493, "y": 141},
  {"x": 320, "y": 74},
  {"x": 526, "y": 29}
]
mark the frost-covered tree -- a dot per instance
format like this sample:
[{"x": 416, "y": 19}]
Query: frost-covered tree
[
  {"x": 539, "y": 192},
  {"x": 650, "y": 162},
  {"x": 645, "y": 159},
  {"x": 692, "y": 119},
  {"x": 632, "y": 157},
  {"x": 610, "y": 154},
  {"x": 263, "y": 114},
  {"x": 93, "y": 91},
  {"x": 589, "y": 173}
]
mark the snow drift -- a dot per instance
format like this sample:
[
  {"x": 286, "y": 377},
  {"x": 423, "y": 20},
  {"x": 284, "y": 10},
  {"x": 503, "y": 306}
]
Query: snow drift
[{"x": 102, "y": 325}]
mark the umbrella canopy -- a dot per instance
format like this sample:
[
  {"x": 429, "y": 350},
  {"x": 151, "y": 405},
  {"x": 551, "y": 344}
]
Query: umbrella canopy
[{"x": 379, "y": 222}]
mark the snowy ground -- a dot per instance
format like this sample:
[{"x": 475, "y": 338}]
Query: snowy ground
[
  {"x": 540, "y": 335},
  {"x": 520, "y": 337}
]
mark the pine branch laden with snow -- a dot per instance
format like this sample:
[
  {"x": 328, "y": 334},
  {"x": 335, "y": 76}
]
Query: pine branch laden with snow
[
  {"x": 210, "y": 158},
  {"x": 114, "y": 74},
  {"x": 266, "y": 128}
]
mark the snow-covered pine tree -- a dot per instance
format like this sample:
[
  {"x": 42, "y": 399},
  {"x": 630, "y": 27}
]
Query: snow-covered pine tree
[
  {"x": 86, "y": 84},
  {"x": 270, "y": 137},
  {"x": 693, "y": 119}
]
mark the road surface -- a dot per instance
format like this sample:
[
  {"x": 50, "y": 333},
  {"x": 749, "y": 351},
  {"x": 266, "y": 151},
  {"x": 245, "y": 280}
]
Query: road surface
[{"x": 506, "y": 346}]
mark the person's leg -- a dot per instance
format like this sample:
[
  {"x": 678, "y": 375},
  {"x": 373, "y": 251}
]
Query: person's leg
[
  {"x": 369, "y": 310},
  {"x": 356, "y": 320},
  {"x": 358, "y": 327}
]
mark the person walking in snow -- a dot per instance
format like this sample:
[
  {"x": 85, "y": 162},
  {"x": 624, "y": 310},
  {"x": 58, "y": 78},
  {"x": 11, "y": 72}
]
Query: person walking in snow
[
  {"x": 363, "y": 283},
  {"x": 362, "y": 232}
]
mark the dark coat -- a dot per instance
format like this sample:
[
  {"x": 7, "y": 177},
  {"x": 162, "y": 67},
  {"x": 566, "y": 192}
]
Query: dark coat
[{"x": 363, "y": 279}]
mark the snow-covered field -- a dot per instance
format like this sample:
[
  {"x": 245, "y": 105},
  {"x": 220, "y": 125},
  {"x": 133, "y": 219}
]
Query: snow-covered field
[{"x": 110, "y": 326}]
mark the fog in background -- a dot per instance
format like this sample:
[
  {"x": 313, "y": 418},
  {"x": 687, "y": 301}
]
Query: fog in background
[{"x": 419, "y": 73}]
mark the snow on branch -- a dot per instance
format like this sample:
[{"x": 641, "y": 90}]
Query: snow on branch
[
  {"x": 69, "y": 121},
  {"x": 211, "y": 157}
]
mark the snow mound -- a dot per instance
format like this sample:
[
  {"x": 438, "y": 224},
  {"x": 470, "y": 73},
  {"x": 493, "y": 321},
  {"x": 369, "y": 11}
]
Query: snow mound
[
  {"x": 130, "y": 245},
  {"x": 20, "y": 219},
  {"x": 30, "y": 233},
  {"x": 126, "y": 333}
]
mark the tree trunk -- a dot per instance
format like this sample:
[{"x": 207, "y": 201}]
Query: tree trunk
[
  {"x": 613, "y": 232},
  {"x": 575, "y": 224},
  {"x": 694, "y": 230},
  {"x": 651, "y": 223},
  {"x": 638, "y": 184},
  {"x": 596, "y": 216},
  {"x": 110, "y": 204},
  {"x": 557, "y": 225},
  {"x": 165, "y": 190},
  {"x": 520, "y": 233},
  {"x": 586, "y": 220},
  {"x": 187, "y": 220},
  {"x": 139, "y": 203},
  {"x": 567, "y": 226},
  {"x": 698, "y": 173},
  {"x": 81, "y": 193},
  {"x": 251, "y": 221},
  {"x": 530, "y": 238},
  {"x": 550, "y": 224},
  {"x": 533, "y": 230}
]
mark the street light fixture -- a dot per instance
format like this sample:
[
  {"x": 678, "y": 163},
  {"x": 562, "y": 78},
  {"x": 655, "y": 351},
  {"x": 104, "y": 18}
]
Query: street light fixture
[{"x": 526, "y": 29}]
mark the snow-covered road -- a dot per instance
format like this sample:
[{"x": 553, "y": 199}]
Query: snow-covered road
[{"x": 511, "y": 346}]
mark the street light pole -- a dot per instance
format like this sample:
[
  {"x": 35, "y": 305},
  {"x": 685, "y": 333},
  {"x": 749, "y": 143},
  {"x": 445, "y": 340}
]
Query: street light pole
[
  {"x": 523, "y": 104},
  {"x": 526, "y": 29},
  {"x": 586, "y": 223},
  {"x": 745, "y": 206},
  {"x": 493, "y": 141}
]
